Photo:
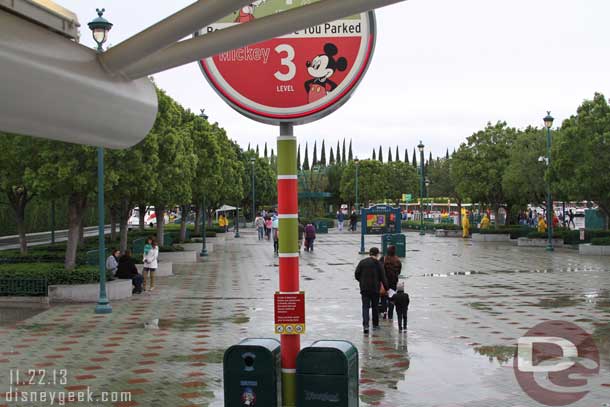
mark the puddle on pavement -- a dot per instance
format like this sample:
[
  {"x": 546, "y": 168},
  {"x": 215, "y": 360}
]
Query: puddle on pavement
[
  {"x": 453, "y": 274},
  {"x": 481, "y": 306},
  {"x": 499, "y": 354},
  {"x": 213, "y": 356},
  {"x": 11, "y": 316},
  {"x": 562, "y": 301},
  {"x": 240, "y": 319}
]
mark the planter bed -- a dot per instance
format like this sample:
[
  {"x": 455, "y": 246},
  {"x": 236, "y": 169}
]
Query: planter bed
[
  {"x": 116, "y": 290},
  {"x": 179, "y": 257},
  {"x": 590, "y": 250},
  {"x": 527, "y": 242},
  {"x": 480, "y": 237},
  {"x": 447, "y": 233},
  {"x": 165, "y": 269}
]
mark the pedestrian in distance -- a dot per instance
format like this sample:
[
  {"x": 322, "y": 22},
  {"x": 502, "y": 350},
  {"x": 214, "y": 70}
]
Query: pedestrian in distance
[
  {"x": 353, "y": 220},
  {"x": 485, "y": 222},
  {"x": 571, "y": 219},
  {"x": 127, "y": 270},
  {"x": 112, "y": 262},
  {"x": 401, "y": 300},
  {"x": 259, "y": 223},
  {"x": 542, "y": 226},
  {"x": 392, "y": 267},
  {"x": 276, "y": 241},
  {"x": 310, "y": 237},
  {"x": 372, "y": 279},
  {"x": 340, "y": 220},
  {"x": 465, "y": 225},
  {"x": 268, "y": 227},
  {"x": 150, "y": 264}
]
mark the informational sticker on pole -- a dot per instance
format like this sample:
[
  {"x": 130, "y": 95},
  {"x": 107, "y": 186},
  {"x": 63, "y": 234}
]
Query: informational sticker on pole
[
  {"x": 297, "y": 78},
  {"x": 290, "y": 313}
]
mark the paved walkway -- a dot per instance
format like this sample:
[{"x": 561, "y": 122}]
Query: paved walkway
[{"x": 470, "y": 303}]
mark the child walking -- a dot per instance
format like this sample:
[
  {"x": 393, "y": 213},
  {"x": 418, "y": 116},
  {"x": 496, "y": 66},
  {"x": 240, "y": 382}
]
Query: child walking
[{"x": 401, "y": 301}]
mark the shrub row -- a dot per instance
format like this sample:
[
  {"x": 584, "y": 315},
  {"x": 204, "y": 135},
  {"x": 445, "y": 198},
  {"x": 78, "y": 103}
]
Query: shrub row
[
  {"x": 53, "y": 272},
  {"x": 600, "y": 241}
]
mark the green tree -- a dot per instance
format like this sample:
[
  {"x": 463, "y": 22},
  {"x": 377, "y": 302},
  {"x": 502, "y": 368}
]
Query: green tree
[
  {"x": 389, "y": 154},
  {"x": 315, "y": 162},
  {"x": 397, "y": 155},
  {"x": 400, "y": 179},
  {"x": 414, "y": 159},
  {"x": 343, "y": 155},
  {"x": 580, "y": 160},
  {"x": 306, "y": 160},
  {"x": 380, "y": 155},
  {"x": 372, "y": 183},
  {"x": 350, "y": 155},
  {"x": 374, "y": 155},
  {"x": 481, "y": 162},
  {"x": 332, "y": 157},
  {"x": 323, "y": 155},
  {"x": 299, "y": 158},
  {"x": 338, "y": 153},
  {"x": 406, "y": 156},
  {"x": 18, "y": 166},
  {"x": 265, "y": 151}
]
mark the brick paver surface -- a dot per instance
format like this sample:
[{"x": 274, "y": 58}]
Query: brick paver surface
[{"x": 469, "y": 304}]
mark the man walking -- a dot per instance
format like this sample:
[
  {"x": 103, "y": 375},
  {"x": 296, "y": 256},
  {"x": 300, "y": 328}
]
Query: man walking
[
  {"x": 371, "y": 276},
  {"x": 340, "y": 220}
]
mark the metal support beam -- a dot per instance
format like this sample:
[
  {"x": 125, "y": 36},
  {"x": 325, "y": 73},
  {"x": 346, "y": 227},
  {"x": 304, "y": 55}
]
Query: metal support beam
[
  {"x": 168, "y": 31},
  {"x": 255, "y": 31}
]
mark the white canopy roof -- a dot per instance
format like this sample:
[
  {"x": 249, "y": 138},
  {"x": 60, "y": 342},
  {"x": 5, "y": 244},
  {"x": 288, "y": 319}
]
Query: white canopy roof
[{"x": 226, "y": 208}]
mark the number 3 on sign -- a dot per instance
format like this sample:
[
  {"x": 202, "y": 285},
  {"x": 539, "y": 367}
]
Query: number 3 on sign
[{"x": 287, "y": 61}]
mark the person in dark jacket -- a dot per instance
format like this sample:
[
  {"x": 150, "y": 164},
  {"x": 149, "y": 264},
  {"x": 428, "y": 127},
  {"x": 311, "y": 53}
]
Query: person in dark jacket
[
  {"x": 310, "y": 237},
  {"x": 353, "y": 221},
  {"x": 127, "y": 270},
  {"x": 392, "y": 267},
  {"x": 371, "y": 276},
  {"x": 401, "y": 300}
]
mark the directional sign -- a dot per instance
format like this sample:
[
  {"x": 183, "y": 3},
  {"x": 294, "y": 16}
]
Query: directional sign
[{"x": 297, "y": 78}]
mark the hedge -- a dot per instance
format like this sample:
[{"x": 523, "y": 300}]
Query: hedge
[
  {"x": 600, "y": 241},
  {"x": 53, "y": 272}
]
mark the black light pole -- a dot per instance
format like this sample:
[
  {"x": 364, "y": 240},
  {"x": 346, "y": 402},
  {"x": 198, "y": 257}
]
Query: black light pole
[
  {"x": 204, "y": 209},
  {"x": 548, "y": 123}
]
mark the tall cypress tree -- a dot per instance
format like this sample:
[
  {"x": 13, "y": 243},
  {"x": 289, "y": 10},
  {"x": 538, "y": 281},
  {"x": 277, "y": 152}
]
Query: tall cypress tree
[
  {"x": 306, "y": 159},
  {"x": 430, "y": 159},
  {"x": 332, "y": 157},
  {"x": 380, "y": 155},
  {"x": 265, "y": 150},
  {"x": 374, "y": 156},
  {"x": 248, "y": 146},
  {"x": 447, "y": 154},
  {"x": 315, "y": 154},
  {"x": 350, "y": 155},
  {"x": 406, "y": 156},
  {"x": 397, "y": 156},
  {"x": 338, "y": 150},
  {"x": 343, "y": 155},
  {"x": 257, "y": 152},
  {"x": 414, "y": 160},
  {"x": 299, "y": 157},
  {"x": 323, "y": 155},
  {"x": 389, "y": 154}
]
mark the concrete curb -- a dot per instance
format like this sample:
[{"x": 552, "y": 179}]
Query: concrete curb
[
  {"x": 116, "y": 290},
  {"x": 527, "y": 242},
  {"x": 481, "y": 237},
  {"x": 587, "y": 249}
]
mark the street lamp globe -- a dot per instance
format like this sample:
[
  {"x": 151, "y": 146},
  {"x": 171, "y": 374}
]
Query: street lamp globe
[
  {"x": 548, "y": 120},
  {"x": 427, "y": 182},
  {"x": 100, "y": 28},
  {"x": 420, "y": 147}
]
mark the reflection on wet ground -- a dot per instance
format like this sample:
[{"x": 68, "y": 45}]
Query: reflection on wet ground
[
  {"x": 10, "y": 316},
  {"x": 166, "y": 346}
]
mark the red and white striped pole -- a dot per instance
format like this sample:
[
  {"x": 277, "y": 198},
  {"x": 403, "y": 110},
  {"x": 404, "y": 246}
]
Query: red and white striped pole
[{"x": 288, "y": 207}]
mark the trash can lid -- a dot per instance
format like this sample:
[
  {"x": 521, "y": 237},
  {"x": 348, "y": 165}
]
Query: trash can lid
[
  {"x": 268, "y": 343},
  {"x": 326, "y": 358}
]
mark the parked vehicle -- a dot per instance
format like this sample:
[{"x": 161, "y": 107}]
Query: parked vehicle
[{"x": 150, "y": 218}]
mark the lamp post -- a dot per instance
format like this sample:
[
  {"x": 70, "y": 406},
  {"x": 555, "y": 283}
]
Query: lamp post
[
  {"x": 100, "y": 28},
  {"x": 427, "y": 182},
  {"x": 204, "y": 248},
  {"x": 420, "y": 147},
  {"x": 53, "y": 222},
  {"x": 253, "y": 161},
  {"x": 357, "y": 163},
  {"x": 548, "y": 123}
]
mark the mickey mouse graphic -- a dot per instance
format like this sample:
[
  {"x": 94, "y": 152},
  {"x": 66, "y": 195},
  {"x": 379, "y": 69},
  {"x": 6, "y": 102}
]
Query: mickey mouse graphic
[
  {"x": 246, "y": 13},
  {"x": 321, "y": 69}
]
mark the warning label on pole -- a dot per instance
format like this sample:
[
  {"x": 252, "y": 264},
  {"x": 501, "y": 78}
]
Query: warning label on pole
[{"x": 290, "y": 313}]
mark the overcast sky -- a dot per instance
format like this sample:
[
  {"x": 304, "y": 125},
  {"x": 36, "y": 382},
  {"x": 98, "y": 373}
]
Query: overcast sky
[{"x": 442, "y": 69}]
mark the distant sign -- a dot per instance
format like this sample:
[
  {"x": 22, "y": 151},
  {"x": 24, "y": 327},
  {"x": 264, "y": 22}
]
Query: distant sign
[
  {"x": 290, "y": 313},
  {"x": 298, "y": 78},
  {"x": 381, "y": 219},
  {"x": 407, "y": 197}
]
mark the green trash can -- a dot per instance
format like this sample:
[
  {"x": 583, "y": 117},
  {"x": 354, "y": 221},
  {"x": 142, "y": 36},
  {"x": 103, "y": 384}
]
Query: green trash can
[
  {"x": 327, "y": 375},
  {"x": 321, "y": 227},
  {"x": 397, "y": 239},
  {"x": 137, "y": 246},
  {"x": 252, "y": 373}
]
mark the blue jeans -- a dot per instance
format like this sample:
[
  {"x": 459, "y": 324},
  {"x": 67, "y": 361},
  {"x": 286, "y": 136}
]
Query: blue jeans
[
  {"x": 261, "y": 233},
  {"x": 370, "y": 301}
]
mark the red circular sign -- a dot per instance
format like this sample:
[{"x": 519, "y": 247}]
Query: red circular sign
[{"x": 297, "y": 78}]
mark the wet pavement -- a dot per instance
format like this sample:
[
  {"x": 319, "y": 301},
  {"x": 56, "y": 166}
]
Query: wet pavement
[{"x": 470, "y": 302}]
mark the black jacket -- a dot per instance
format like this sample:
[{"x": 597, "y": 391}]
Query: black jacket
[
  {"x": 401, "y": 300},
  {"x": 127, "y": 268},
  {"x": 370, "y": 275}
]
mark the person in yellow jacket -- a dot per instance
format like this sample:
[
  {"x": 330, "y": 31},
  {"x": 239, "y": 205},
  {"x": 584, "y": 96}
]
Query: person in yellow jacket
[
  {"x": 485, "y": 222},
  {"x": 222, "y": 222},
  {"x": 465, "y": 225},
  {"x": 541, "y": 224}
]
